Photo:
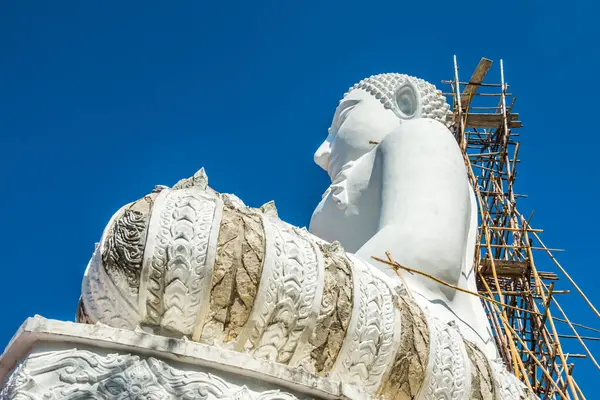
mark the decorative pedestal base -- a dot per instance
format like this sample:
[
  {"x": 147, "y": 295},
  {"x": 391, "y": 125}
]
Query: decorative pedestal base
[{"x": 49, "y": 359}]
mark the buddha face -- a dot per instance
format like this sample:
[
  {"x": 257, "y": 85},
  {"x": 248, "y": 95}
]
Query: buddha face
[
  {"x": 360, "y": 121},
  {"x": 370, "y": 111}
]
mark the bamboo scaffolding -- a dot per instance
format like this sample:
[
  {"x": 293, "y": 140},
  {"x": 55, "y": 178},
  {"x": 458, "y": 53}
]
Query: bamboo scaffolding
[
  {"x": 549, "y": 251},
  {"x": 514, "y": 294}
]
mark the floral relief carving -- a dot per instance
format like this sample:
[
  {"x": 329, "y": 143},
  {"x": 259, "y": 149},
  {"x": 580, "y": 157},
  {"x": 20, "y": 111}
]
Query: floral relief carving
[
  {"x": 79, "y": 374},
  {"x": 102, "y": 301},
  {"x": 155, "y": 259},
  {"x": 482, "y": 382},
  {"x": 408, "y": 370},
  {"x": 19, "y": 379},
  {"x": 448, "y": 373},
  {"x": 290, "y": 292},
  {"x": 368, "y": 347},
  {"x": 124, "y": 246},
  {"x": 507, "y": 386},
  {"x": 179, "y": 267},
  {"x": 325, "y": 341}
]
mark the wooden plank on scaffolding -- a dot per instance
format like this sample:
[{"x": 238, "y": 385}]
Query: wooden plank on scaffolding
[
  {"x": 548, "y": 276},
  {"x": 512, "y": 269},
  {"x": 492, "y": 120},
  {"x": 474, "y": 83},
  {"x": 504, "y": 268}
]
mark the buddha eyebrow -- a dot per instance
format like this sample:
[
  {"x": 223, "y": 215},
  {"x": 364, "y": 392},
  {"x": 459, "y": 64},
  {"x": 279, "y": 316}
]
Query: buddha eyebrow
[{"x": 344, "y": 105}]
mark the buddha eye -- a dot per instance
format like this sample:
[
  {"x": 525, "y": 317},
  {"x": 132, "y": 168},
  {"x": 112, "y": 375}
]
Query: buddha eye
[{"x": 406, "y": 101}]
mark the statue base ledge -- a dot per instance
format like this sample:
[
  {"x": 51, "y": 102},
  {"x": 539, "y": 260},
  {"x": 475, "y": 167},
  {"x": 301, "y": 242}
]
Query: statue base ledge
[{"x": 55, "y": 359}]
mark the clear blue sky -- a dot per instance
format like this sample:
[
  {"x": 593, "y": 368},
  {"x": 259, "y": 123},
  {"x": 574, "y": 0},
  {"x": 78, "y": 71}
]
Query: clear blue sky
[{"x": 100, "y": 101}]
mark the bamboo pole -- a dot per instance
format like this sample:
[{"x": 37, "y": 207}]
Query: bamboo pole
[
  {"x": 579, "y": 391},
  {"x": 461, "y": 122},
  {"x": 508, "y": 329},
  {"x": 486, "y": 232},
  {"x": 533, "y": 357},
  {"x": 501, "y": 339},
  {"x": 549, "y": 252},
  {"x": 587, "y": 350},
  {"x": 590, "y": 338},
  {"x": 569, "y": 378},
  {"x": 396, "y": 266},
  {"x": 502, "y": 228},
  {"x": 575, "y": 324}
]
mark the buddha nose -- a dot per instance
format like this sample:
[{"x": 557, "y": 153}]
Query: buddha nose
[{"x": 322, "y": 155}]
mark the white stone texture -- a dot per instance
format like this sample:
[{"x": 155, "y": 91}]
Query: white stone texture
[
  {"x": 289, "y": 294},
  {"x": 102, "y": 299},
  {"x": 236, "y": 274},
  {"x": 60, "y": 360},
  {"x": 508, "y": 387},
  {"x": 179, "y": 258},
  {"x": 372, "y": 339},
  {"x": 482, "y": 379},
  {"x": 322, "y": 347},
  {"x": 449, "y": 370},
  {"x": 409, "y": 370}
]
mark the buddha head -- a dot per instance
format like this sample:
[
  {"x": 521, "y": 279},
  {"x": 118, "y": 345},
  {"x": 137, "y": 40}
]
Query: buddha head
[{"x": 373, "y": 108}]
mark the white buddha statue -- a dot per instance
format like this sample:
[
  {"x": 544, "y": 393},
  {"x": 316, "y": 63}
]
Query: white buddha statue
[
  {"x": 399, "y": 185},
  {"x": 192, "y": 264}
]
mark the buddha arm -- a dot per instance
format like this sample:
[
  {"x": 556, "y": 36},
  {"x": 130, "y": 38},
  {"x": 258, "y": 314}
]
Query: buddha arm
[{"x": 424, "y": 201}]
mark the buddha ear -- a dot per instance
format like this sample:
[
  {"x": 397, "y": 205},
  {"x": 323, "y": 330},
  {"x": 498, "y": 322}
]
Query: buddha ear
[{"x": 407, "y": 101}]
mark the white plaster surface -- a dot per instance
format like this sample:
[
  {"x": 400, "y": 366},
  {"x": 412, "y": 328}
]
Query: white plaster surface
[{"x": 63, "y": 357}]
